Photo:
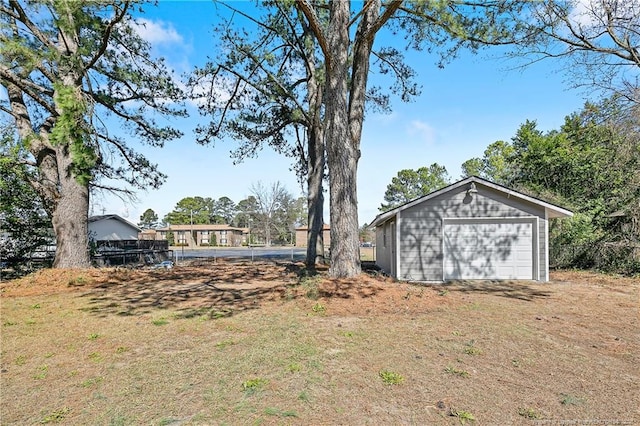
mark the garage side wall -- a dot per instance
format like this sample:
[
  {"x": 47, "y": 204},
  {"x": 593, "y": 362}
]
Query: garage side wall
[
  {"x": 543, "y": 252},
  {"x": 421, "y": 245},
  {"x": 383, "y": 247}
]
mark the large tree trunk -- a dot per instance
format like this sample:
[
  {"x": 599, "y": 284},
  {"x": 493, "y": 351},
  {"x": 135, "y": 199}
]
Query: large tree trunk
[
  {"x": 64, "y": 196},
  {"x": 66, "y": 199},
  {"x": 69, "y": 217},
  {"x": 315, "y": 170},
  {"x": 342, "y": 158},
  {"x": 360, "y": 72},
  {"x": 345, "y": 250},
  {"x": 315, "y": 199}
]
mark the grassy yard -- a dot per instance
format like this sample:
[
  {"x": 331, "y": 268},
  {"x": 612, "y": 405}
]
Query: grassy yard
[{"x": 258, "y": 343}]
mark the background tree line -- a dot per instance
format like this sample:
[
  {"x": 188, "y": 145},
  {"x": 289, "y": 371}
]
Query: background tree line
[{"x": 271, "y": 212}]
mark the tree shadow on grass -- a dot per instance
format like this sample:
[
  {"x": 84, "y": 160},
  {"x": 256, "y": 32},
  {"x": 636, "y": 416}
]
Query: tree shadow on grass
[
  {"x": 217, "y": 291},
  {"x": 363, "y": 286},
  {"x": 511, "y": 289}
]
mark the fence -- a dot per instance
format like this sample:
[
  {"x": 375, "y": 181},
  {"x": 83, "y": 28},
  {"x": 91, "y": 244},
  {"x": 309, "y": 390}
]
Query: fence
[
  {"x": 132, "y": 245},
  {"x": 126, "y": 257},
  {"x": 287, "y": 253}
]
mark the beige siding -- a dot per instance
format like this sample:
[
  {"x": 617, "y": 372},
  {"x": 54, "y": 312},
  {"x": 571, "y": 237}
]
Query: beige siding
[
  {"x": 301, "y": 237},
  {"x": 198, "y": 234}
]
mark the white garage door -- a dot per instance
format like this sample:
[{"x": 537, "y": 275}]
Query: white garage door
[{"x": 489, "y": 249}]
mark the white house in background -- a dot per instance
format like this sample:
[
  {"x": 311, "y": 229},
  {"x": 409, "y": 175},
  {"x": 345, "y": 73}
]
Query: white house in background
[
  {"x": 112, "y": 227},
  {"x": 472, "y": 229}
]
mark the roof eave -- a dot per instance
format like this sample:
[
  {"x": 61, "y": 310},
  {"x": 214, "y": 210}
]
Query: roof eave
[
  {"x": 551, "y": 210},
  {"x": 558, "y": 212}
]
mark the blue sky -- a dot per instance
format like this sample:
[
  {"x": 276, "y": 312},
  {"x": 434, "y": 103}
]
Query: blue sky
[{"x": 464, "y": 107}]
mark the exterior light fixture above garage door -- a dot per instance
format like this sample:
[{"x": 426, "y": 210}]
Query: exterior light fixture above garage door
[{"x": 472, "y": 190}]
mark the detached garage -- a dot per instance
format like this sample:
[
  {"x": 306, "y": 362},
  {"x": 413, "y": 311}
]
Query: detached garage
[{"x": 472, "y": 229}]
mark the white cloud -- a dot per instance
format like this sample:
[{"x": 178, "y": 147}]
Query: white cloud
[
  {"x": 423, "y": 131},
  {"x": 157, "y": 31},
  {"x": 383, "y": 118},
  {"x": 591, "y": 14},
  {"x": 582, "y": 13}
]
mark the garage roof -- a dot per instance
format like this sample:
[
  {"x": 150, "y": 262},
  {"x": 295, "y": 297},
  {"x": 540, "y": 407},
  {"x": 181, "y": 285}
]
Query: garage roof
[{"x": 552, "y": 211}]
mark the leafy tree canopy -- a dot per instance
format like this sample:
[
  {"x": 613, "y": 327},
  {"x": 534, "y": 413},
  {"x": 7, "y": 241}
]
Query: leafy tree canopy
[
  {"x": 246, "y": 210},
  {"x": 411, "y": 184},
  {"x": 224, "y": 210},
  {"x": 24, "y": 224},
  {"x": 589, "y": 162},
  {"x": 495, "y": 165},
  {"x": 196, "y": 210},
  {"x": 148, "y": 219}
]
